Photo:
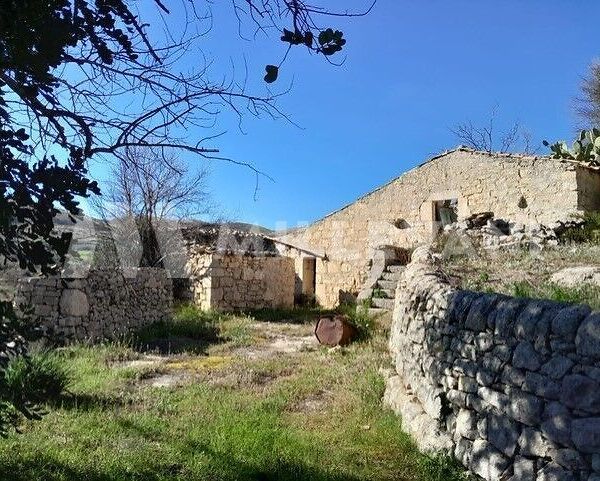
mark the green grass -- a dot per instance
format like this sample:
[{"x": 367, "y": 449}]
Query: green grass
[
  {"x": 188, "y": 321},
  {"x": 41, "y": 377},
  {"x": 584, "y": 294},
  {"x": 522, "y": 273},
  {"x": 247, "y": 419}
]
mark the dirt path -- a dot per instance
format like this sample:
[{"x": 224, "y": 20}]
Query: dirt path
[{"x": 223, "y": 363}]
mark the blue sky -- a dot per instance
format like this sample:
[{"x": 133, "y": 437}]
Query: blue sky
[{"x": 413, "y": 70}]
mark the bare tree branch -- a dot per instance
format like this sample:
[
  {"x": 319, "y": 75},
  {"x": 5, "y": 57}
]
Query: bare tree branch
[{"x": 485, "y": 138}]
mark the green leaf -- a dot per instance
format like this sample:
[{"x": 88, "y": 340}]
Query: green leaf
[{"x": 272, "y": 73}]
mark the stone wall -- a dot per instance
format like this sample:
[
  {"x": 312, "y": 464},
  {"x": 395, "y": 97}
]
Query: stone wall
[
  {"x": 510, "y": 386},
  {"x": 231, "y": 282},
  {"x": 104, "y": 305},
  {"x": 525, "y": 190}
]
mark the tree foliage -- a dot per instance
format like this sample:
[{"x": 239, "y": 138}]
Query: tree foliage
[{"x": 84, "y": 79}]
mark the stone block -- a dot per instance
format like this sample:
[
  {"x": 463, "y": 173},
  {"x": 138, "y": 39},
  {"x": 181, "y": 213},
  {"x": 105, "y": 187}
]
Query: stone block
[
  {"x": 74, "y": 302},
  {"x": 541, "y": 386},
  {"x": 525, "y": 357},
  {"x": 503, "y": 434},
  {"x": 554, "y": 472},
  {"x": 525, "y": 408},
  {"x": 523, "y": 469},
  {"x": 586, "y": 435},
  {"x": 478, "y": 312},
  {"x": 587, "y": 340},
  {"x": 488, "y": 462},
  {"x": 557, "y": 367},
  {"x": 567, "y": 321},
  {"x": 582, "y": 393},
  {"x": 569, "y": 459},
  {"x": 557, "y": 424},
  {"x": 533, "y": 444},
  {"x": 466, "y": 424}
]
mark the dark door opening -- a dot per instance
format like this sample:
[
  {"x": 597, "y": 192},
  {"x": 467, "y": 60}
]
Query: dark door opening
[
  {"x": 309, "y": 276},
  {"x": 445, "y": 212}
]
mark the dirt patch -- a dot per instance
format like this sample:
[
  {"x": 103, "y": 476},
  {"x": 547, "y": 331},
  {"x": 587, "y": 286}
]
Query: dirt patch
[
  {"x": 170, "y": 379},
  {"x": 226, "y": 365},
  {"x": 315, "y": 402},
  {"x": 145, "y": 362}
]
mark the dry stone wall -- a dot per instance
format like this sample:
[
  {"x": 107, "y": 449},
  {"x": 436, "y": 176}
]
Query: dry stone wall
[
  {"x": 510, "y": 386},
  {"x": 104, "y": 305},
  {"x": 231, "y": 282},
  {"x": 524, "y": 190}
]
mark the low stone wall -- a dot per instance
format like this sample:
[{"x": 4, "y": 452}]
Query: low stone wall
[
  {"x": 104, "y": 305},
  {"x": 510, "y": 386},
  {"x": 230, "y": 282}
]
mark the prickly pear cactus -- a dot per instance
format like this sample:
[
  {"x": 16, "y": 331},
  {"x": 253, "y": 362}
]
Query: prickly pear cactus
[{"x": 586, "y": 149}]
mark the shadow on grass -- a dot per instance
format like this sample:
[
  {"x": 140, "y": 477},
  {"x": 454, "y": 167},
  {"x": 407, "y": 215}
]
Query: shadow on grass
[
  {"x": 296, "y": 315},
  {"x": 221, "y": 466},
  {"x": 90, "y": 402},
  {"x": 193, "y": 335}
]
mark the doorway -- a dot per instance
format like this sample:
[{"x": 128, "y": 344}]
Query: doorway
[{"x": 309, "y": 276}]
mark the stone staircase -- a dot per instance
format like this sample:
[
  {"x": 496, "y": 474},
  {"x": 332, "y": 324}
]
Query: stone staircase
[{"x": 384, "y": 292}]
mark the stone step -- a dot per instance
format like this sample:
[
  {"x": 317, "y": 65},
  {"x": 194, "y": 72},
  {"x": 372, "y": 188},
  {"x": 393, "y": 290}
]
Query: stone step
[
  {"x": 383, "y": 303},
  {"x": 385, "y": 293},
  {"x": 387, "y": 284},
  {"x": 395, "y": 268},
  {"x": 391, "y": 276},
  {"x": 376, "y": 312}
]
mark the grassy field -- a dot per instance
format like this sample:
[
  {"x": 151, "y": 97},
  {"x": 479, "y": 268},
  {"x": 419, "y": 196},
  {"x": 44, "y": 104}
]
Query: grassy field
[
  {"x": 522, "y": 273},
  {"x": 235, "y": 399}
]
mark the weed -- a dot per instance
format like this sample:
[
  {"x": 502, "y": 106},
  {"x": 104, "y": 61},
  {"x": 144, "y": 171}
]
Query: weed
[
  {"x": 588, "y": 232},
  {"x": 188, "y": 321},
  {"x": 41, "y": 377},
  {"x": 379, "y": 293},
  {"x": 360, "y": 318}
]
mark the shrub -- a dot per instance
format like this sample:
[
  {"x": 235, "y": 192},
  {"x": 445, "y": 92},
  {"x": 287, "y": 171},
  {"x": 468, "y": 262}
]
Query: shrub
[
  {"x": 588, "y": 232},
  {"x": 359, "y": 318},
  {"x": 38, "y": 378},
  {"x": 188, "y": 321}
]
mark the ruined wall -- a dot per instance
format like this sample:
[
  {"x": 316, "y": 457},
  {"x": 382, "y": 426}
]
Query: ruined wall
[
  {"x": 588, "y": 187},
  {"x": 510, "y": 386},
  {"x": 522, "y": 189},
  {"x": 232, "y": 282},
  {"x": 104, "y": 305}
]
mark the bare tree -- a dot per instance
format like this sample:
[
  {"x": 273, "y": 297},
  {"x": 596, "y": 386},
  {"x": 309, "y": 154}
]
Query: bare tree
[
  {"x": 145, "y": 197},
  {"x": 487, "y": 139},
  {"x": 588, "y": 105}
]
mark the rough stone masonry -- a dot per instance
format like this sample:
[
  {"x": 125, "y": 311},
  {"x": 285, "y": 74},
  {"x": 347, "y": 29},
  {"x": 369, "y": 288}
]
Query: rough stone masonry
[
  {"x": 104, "y": 305},
  {"x": 510, "y": 386}
]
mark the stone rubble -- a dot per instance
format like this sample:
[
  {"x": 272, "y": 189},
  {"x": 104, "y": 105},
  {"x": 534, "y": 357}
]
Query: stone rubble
[{"x": 485, "y": 231}]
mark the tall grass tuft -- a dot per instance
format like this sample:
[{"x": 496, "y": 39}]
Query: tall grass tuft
[
  {"x": 41, "y": 377},
  {"x": 188, "y": 321}
]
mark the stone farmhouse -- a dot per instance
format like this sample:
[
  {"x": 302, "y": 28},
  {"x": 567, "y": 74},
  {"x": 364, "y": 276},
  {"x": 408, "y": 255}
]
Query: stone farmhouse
[
  {"x": 349, "y": 249},
  {"x": 343, "y": 257}
]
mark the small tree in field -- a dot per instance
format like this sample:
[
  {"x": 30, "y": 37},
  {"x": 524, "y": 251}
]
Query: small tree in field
[
  {"x": 150, "y": 192},
  {"x": 83, "y": 80}
]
